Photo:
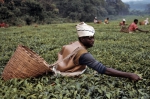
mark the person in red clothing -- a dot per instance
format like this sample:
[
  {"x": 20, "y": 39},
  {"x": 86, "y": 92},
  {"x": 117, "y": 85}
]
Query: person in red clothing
[
  {"x": 2, "y": 24},
  {"x": 133, "y": 27}
]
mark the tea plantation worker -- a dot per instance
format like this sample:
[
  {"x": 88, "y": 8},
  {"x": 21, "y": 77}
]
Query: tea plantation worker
[
  {"x": 2, "y": 24},
  {"x": 78, "y": 62},
  {"x": 146, "y": 21},
  {"x": 95, "y": 20},
  {"x": 123, "y": 23},
  {"x": 133, "y": 27},
  {"x": 106, "y": 21},
  {"x": 123, "y": 26}
]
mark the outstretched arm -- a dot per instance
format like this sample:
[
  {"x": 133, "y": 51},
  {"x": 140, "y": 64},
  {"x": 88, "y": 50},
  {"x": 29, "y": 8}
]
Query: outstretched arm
[
  {"x": 116, "y": 73},
  {"x": 87, "y": 59},
  {"x": 142, "y": 30}
]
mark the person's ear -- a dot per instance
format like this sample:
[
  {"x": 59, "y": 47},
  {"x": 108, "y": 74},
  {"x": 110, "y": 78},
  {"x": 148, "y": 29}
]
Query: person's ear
[{"x": 81, "y": 39}]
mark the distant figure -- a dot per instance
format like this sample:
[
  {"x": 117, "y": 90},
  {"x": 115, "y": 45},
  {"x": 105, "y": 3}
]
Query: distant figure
[
  {"x": 96, "y": 20},
  {"x": 106, "y": 21},
  {"x": 123, "y": 23},
  {"x": 142, "y": 23},
  {"x": 123, "y": 26},
  {"x": 146, "y": 21},
  {"x": 2, "y": 24},
  {"x": 133, "y": 27}
]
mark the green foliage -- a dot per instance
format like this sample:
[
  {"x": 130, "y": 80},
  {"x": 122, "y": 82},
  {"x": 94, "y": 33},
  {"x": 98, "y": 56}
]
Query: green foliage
[
  {"x": 15, "y": 12},
  {"x": 122, "y": 51},
  {"x": 86, "y": 10}
]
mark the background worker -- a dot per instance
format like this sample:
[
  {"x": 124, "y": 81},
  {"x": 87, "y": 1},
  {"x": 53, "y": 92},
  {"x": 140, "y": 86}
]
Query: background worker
[
  {"x": 2, "y": 24},
  {"x": 133, "y": 27},
  {"x": 146, "y": 21},
  {"x": 106, "y": 21},
  {"x": 123, "y": 23},
  {"x": 95, "y": 20}
]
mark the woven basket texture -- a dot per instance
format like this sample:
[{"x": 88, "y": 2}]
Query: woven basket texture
[
  {"x": 25, "y": 63},
  {"x": 124, "y": 29}
]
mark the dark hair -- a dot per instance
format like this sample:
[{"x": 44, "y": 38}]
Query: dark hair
[{"x": 135, "y": 20}]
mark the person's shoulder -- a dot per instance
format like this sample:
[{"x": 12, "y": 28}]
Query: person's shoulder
[
  {"x": 132, "y": 23},
  {"x": 82, "y": 50}
]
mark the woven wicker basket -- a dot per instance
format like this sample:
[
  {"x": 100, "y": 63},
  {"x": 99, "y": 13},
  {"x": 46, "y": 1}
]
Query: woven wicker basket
[
  {"x": 25, "y": 63},
  {"x": 124, "y": 29}
]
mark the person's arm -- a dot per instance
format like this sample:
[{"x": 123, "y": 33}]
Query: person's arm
[
  {"x": 142, "y": 30},
  {"x": 87, "y": 59},
  {"x": 116, "y": 73}
]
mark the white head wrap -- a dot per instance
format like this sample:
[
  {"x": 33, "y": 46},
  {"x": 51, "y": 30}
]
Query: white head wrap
[
  {"x": 124, "y": 20},
  {"x": 84, "y": 30}
]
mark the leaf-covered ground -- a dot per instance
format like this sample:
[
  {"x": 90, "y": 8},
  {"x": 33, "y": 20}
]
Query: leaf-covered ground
[{"x": 122, "y": 51}]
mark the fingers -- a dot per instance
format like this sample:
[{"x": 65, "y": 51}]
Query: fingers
[
  {"x": 139, "y": 78},
  {"x": 136, "y": 80},
  {"x": 146, "y": 31},
  {"x": 136, "y": 77}
]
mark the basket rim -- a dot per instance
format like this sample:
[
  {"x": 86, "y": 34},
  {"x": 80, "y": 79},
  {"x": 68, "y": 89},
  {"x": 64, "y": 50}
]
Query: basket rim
[{"x": 39, "y": 57}]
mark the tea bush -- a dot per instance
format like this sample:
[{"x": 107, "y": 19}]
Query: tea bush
[{"x": 122, "y": 51}]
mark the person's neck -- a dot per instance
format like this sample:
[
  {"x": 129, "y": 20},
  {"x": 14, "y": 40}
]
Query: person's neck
[{"x": 83, "y": 45}]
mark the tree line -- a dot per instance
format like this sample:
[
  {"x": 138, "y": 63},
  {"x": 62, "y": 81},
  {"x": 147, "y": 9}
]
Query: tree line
[{"x": 26, "y": 12}]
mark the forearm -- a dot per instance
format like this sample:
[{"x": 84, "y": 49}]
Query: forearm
[
  {"x": 87, "y": 59},
  {"x": 142, "y": 30},
  {"x": 116, "y": 73}
]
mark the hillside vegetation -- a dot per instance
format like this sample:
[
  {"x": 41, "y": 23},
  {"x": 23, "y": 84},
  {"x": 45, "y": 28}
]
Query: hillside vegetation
[
  {"x": 141, "y": 5},
  {"x": 27, "y": 12},
  {"x": 122, "y": 51}
]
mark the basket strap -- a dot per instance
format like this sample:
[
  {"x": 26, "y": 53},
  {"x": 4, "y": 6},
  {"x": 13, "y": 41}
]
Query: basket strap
[{"x": 71, "y": 54}]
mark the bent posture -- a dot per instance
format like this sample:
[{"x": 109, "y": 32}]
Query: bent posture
[
  {"x": 106, "y": 21},
  {"x": 74, "y": 58},
  {"x": 123, "y": 23},
  {"x": 133, "y": 27}
]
